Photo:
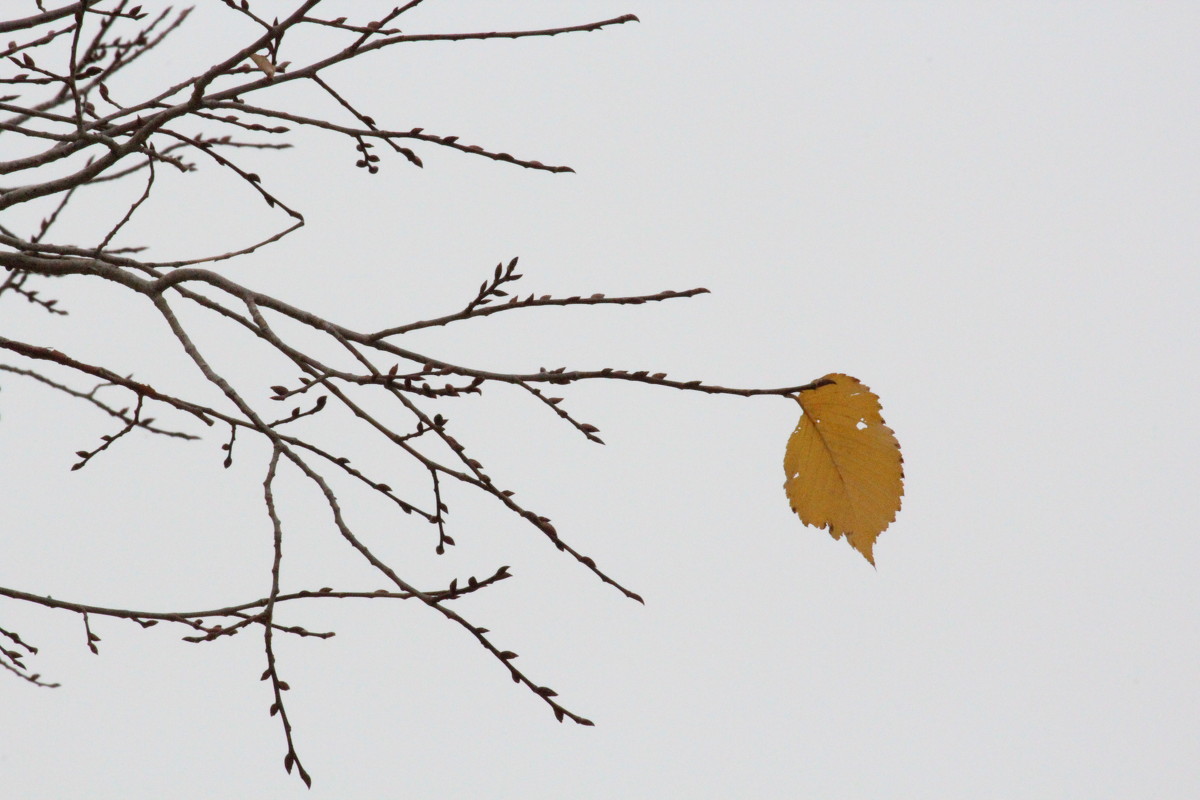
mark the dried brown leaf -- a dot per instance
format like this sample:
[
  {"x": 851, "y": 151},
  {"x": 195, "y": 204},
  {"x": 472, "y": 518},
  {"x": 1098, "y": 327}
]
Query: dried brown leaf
[
  {"x": 843, "y": 466},
  {"x": 264, "y": 64}
]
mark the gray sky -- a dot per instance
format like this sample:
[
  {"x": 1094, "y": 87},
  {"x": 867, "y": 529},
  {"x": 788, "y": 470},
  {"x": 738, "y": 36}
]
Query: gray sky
[{"x": 987, "y": 212}]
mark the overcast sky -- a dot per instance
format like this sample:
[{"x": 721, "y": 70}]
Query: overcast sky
[{"x": 987, "y": 212}]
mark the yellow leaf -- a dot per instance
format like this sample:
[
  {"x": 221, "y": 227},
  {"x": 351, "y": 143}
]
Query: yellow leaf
[
  {"x": 843, "y": 465},
  {"x": 263, "y": 63}
]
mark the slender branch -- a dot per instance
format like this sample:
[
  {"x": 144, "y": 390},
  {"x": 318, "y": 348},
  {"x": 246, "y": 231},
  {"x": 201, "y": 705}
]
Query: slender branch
[
  {"x": 278, "y": 686},
  {"x": 141, "y": 389},
  {"x": 90, "y": 397},
  {"x": 535, "y": 302},
  {"x": 454, "y": 592},
  {"x": 24, "y": 24}
]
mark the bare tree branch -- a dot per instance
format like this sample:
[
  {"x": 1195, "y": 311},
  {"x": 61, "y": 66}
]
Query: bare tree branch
[{"x": 77, "y": 133}]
